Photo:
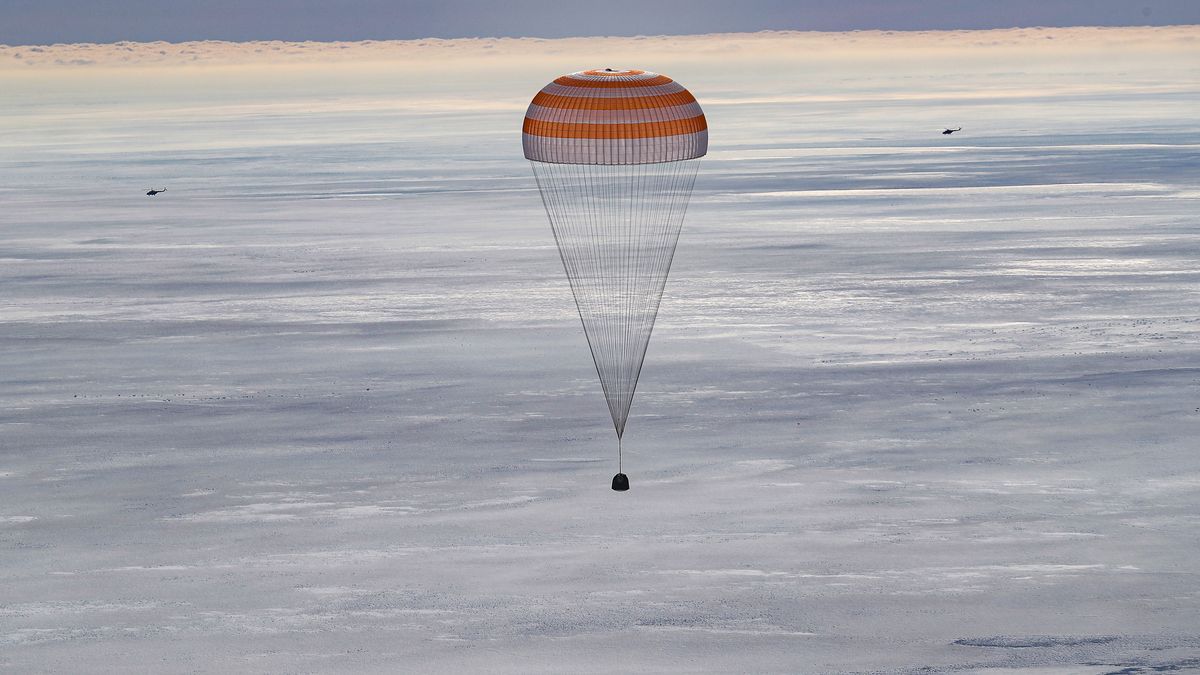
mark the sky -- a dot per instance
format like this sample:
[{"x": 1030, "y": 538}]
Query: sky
[{"x": 33, "y": 22}]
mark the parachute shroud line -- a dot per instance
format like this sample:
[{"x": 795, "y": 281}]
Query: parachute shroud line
[{"x": 617, "y": 252}]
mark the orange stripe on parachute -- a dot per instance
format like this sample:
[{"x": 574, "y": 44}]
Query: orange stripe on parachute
[
  {"x": 689, "y": 125},
  {"x": 568, "y": 81},
  {"x": 632, "y": 103}
]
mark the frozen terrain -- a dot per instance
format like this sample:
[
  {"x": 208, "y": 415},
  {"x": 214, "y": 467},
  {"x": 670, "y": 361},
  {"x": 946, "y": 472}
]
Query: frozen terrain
[{"x": 915, "y": 403}]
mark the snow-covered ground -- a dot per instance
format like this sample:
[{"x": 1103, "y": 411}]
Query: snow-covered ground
[{"x": 914, "y": 402}]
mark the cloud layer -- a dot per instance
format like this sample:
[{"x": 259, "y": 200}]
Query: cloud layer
[{"x": 514, "y": 52}]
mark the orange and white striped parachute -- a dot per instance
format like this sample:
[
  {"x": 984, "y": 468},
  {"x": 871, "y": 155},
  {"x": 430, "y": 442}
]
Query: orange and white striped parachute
[
  {"x": 615, "y": 155},
  {"x": 614, "y": 117}
]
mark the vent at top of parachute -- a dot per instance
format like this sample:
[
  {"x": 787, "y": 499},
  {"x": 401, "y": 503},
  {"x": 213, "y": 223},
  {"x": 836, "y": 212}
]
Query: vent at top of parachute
[{"x": 614, "y": 117}]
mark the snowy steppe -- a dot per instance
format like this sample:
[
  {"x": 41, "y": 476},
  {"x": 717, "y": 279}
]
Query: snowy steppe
[{"x": 914, "y": 402}]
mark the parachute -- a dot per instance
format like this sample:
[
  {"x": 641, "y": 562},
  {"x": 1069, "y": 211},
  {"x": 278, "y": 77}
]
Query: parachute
[{"x": 615, "y": 155}]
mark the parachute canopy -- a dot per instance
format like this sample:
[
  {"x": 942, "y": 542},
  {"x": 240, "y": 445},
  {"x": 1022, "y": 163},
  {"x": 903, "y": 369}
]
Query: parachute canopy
[
  {"x": 614, "y": 117},
  {"x": 615, "y": 155}
]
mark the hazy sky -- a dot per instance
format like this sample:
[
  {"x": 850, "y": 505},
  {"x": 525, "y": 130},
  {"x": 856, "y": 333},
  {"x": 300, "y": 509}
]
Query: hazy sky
[{"x": 51, "y": 21}]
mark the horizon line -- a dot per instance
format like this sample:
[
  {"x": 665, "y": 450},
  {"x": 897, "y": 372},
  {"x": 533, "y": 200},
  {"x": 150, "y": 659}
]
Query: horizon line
[{"x": 767, "y": 31}]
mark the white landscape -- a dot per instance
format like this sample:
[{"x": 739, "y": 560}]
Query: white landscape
[{"x": 913, "y": 403}]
